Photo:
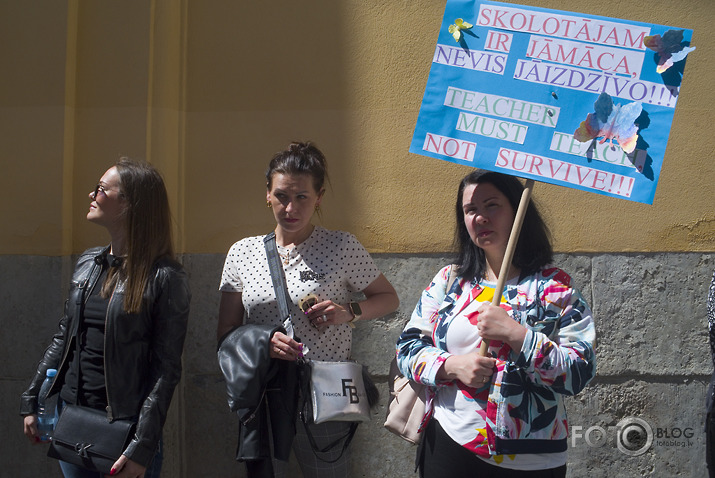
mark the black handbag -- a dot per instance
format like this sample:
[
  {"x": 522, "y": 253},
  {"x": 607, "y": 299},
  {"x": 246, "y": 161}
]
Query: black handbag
[{"x": 85, "y": 437}]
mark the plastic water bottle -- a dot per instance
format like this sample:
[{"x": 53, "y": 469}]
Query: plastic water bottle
[{"x": 45, "y": 408}]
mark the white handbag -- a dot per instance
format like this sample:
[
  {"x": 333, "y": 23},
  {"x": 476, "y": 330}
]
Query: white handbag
[{"x": 337, "y": 392}]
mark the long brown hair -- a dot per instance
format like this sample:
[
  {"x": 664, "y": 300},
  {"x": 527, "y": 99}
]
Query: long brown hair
[{"x": 148, "y": 227}]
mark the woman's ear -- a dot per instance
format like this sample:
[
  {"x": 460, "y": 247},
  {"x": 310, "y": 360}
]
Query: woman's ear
[{"x": 320, "y": 196}]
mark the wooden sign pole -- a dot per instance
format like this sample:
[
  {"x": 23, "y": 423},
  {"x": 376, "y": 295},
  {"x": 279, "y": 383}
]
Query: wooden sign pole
[{"x": 509, "y": 254}]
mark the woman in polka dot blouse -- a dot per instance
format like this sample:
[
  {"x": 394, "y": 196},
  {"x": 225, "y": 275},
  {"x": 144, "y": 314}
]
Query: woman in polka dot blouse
[{"x": 330, "y": 265}]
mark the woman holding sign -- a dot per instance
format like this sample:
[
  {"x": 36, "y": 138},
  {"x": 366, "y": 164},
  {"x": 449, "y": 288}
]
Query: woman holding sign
[{"x": 502, "y": 414}]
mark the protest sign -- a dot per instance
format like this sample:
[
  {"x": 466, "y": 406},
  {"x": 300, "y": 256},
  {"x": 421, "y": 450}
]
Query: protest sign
[{"x": 577, "y": 100}]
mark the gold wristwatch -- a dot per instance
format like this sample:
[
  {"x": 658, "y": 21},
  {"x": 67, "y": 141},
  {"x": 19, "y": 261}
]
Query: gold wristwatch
[{"x": 356, "y": 311}]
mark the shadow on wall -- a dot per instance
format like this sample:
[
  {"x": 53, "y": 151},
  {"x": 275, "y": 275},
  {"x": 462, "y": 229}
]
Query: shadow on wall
[{"x": 260, "y": 75}]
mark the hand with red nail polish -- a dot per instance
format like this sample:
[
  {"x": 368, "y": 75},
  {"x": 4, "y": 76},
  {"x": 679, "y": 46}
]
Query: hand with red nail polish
[
  {"x": 29, "y": 426},
  {"x": 126, "y": 468}
]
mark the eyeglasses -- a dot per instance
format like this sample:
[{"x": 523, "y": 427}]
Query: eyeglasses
[{"x": 99, "y": 187}]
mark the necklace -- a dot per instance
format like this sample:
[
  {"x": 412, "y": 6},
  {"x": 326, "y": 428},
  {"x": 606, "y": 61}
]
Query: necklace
[{"x": 285, "y": 256}]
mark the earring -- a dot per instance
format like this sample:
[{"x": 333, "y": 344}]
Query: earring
[
  {"x": 317, "y": 208},
  {"x": 268, "y": 204}
]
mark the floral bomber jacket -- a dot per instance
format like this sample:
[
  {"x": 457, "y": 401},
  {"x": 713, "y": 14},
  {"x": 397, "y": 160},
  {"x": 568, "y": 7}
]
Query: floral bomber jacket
[{"x": 523, "y": 407}]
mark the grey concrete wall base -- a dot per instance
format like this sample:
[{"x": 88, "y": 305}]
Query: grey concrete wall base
[{"x": 653, "y": 367}]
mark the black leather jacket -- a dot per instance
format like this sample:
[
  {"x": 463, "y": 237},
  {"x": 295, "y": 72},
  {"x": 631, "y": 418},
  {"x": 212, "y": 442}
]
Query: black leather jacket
[
  {"x": 142, "y": 352},
  {"x": 258, "y": 387}
]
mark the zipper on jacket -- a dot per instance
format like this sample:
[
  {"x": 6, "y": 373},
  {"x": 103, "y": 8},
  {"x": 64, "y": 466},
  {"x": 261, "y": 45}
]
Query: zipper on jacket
[
  {"x": 110, "y": 414},
  {"x": 82, "y": 299},
  {"x": 85, "y": 296},
  {"x": 252, "y": 415},
  {"x": 82, "y": 286},
  {"x": 79, "y": 302}
]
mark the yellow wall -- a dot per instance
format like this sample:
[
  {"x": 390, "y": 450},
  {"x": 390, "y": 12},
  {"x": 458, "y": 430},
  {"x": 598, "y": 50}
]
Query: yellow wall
[{"x": 208, "y": 90}]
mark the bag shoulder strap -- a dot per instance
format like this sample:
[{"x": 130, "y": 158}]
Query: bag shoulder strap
[
  {"x": 348, "y": 437},
  {"x": 277, "y": 275},
  {"x": 394, "y": 369},
  {"x": 452, "y": 276}
]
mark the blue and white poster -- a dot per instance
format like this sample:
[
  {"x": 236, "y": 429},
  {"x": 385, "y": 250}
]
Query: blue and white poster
[{"x": 577, "y": 100}]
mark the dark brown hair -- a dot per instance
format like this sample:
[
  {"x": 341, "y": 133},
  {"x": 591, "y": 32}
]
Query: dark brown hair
[
  {"x": 533, "y": 249},
  {"x": 148, "y": 226},
  {"x": 299, "y": 158}
]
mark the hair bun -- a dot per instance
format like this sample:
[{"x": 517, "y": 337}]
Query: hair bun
[
  {"x": 299, "y": 158},
  {"x": 297, "y": 148}
]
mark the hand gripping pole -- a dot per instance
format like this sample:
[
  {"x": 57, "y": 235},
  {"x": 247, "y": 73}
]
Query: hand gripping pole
[{"x": 510, "y": 247}]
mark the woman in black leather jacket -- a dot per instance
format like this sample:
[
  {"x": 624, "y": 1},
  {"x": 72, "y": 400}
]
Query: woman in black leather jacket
[{"x": 128, "y": 305}]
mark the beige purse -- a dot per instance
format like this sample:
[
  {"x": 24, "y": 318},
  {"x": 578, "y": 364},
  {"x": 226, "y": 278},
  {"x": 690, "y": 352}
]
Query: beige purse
[{"x": 406, "y": 407}]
